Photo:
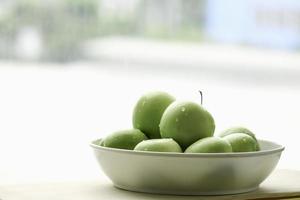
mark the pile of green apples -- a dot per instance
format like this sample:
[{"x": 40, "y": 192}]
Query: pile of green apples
[{"x": 162, "y": 124}]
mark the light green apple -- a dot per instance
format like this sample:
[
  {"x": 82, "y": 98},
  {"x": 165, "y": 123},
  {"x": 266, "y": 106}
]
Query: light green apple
[
  {"x": 186, "y": 122},
  {"x": 124, "y": 139},
  {"x": 239, "y": 129},
  {"x": 210, "y": 145},
  {"x": 99, "y": 142},
  {"x": 241, "y": 142},
  {"x": 148, "y": 111},
  {"x": 158, "y": 145}
]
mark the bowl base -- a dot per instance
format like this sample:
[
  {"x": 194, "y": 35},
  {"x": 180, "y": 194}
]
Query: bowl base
[{"x": 185, "y": 193}]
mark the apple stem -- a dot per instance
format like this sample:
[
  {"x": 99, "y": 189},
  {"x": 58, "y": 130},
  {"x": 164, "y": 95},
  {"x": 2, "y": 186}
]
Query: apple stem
[{"x": 201, "y": 94}]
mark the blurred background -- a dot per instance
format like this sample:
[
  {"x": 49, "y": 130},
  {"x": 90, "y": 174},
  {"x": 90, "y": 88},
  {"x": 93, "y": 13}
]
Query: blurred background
[{"x": 72, "y": 70}]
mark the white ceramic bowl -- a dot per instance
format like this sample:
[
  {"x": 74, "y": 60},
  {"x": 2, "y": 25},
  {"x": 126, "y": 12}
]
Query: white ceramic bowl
[{"x": 186, "y": 173}]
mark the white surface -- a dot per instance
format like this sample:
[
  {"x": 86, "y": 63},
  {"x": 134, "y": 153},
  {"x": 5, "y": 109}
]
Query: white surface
[
  {"x": 49, "y": 114},
  {"x": 280, "y": 184}
]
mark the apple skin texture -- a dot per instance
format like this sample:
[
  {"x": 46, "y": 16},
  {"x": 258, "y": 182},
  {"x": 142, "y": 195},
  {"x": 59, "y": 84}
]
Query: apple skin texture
[
  {"x": 241, "y": 142},
  {"x": 148, "y": 111},
  {"x": 239, "y": 129},
  {"x": 210, "y": 145},
  {"x": 186, "y": 122},
  {"x": 124, "y": 139},
  {"x": 158, "y": 145}
]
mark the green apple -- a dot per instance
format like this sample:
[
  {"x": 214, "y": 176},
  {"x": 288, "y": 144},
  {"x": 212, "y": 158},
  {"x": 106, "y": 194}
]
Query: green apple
[
  {"x": 148, "y": 111},
  {"x": 99, "y": 142},
  {"x": 210, "y": 145},
  {"x": 159, "y": 145},
  {"x": 241, "y": 142},
  {"x": 124, "y": 139},
  {"x": 239, "y": 129},
  {"x": 186, "y": 122}
]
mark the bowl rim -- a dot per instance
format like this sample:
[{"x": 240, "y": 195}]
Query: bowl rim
[{"x": 277, "y": 149}]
